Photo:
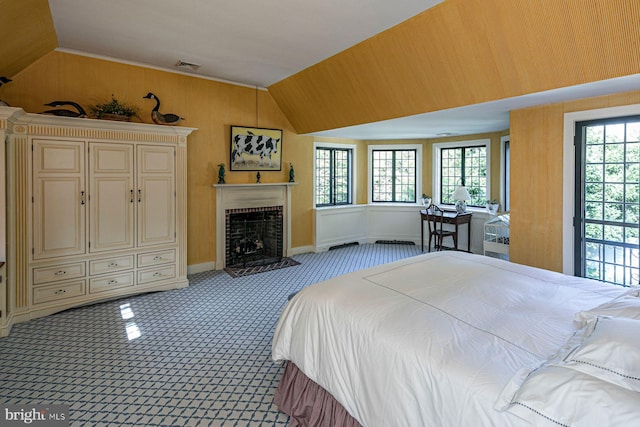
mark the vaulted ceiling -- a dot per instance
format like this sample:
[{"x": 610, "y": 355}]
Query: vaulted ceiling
[{"x": 360, "y": 69}]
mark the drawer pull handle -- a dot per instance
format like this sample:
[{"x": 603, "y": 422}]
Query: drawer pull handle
[
  {"x": 60, "y": 291},
  {"x": 157, "y": 258},
  {"x": 60, "y": 273},
  {"x": 131, "y": 196},
  {"x": 113, "y": 264},
  {"x": 113, "y": 282},
  {"x": 157, "y": 274}
]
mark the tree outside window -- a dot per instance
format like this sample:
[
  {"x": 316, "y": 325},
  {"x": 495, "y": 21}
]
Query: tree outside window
[
  {"x": 464, "y": 166},
  {"x": 333, "y": 171},
  {"x": 394, "y": 175}
]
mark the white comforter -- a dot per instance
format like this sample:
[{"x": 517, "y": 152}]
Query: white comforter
[{"x": 431, "y": 340}]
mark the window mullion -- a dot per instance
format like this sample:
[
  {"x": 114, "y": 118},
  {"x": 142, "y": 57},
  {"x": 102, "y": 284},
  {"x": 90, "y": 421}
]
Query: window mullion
[
  {"x": 463, "y": 156},
  {"x": 332, "y": 177},
  {"x": 393, "y": 176}
]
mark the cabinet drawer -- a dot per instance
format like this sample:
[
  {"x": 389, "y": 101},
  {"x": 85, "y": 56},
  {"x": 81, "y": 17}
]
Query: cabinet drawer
[
  {"x": 58, "y": 291},
  {"x": 155, "y": 258},
  {"x": 156, "y": 274},
  {"x": 110, "y": 265},
  {"x": 58, "y": 272},
  {"x": 116, "y": 281}
]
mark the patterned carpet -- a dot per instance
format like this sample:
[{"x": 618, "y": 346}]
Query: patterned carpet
[{"x": 198, "y": 356}]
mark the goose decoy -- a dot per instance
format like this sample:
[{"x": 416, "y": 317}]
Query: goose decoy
[
  {"x": 63, "y": 112},
  {"x": 4, "y": 80},
  {"x": 158, "y": 117}
]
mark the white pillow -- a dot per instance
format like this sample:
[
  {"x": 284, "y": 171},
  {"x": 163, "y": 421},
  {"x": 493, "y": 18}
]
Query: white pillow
[
  {"x": 555, "y": 395},
  {"x": 606, "y": 348},
  {"x": 625, "y": 305}
]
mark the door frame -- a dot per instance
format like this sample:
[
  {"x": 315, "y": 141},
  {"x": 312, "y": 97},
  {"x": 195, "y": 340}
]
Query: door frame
[{"x": 568, "y": 173}]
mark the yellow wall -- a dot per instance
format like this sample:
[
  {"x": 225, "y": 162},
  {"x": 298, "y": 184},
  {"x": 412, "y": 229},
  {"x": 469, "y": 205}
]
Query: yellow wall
[
  {"x": 536, "y": 146},
  {"x": 464, "y": 52},
  {"x": 536, "y": 178},
  {"x": 26, "y": 33},
  {"x": 207, "y": 105}
]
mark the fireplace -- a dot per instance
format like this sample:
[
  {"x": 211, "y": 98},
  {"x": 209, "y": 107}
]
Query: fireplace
[
  {"x": 253, "y": 236},
  {"x": 251, "y": 198}
]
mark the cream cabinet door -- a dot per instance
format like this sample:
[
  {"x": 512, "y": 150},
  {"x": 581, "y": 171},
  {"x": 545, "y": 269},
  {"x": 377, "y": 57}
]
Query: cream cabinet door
[
  {"x": 111, "y": 197},
  {"x": 59, "y": 198},
  {"x": 156, "y": 195}
]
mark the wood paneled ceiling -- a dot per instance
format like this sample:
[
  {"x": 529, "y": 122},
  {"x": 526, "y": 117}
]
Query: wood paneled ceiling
[
  {"x": 27, "y": 34},
  {"x": 466, "y": 52}
]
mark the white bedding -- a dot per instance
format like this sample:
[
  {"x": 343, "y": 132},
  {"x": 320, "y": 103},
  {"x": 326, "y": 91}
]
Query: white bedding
[{"x": 431, "y": 340}]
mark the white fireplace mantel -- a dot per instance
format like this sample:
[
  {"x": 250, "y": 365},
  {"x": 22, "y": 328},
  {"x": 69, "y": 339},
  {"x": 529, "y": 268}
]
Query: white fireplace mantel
[{"x": 238, "y": 196}]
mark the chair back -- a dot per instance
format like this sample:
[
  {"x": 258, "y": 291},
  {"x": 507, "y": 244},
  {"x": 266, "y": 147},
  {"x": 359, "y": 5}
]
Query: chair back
[{"x": 436, "y": 216}]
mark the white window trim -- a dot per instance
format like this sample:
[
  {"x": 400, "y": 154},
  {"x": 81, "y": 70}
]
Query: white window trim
[
  {"x": 353, "y": 175},
  {"x": 569, "y": 172},
  {"x": 437, "y": 147},
  {"x": 418, "y": 148}
]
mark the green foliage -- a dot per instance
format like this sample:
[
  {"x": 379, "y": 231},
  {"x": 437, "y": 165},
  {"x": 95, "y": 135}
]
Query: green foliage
[{"x": 114, "y": 107}]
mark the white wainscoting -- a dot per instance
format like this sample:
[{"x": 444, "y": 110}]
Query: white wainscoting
[
  {"x": 370, "y": 223},
  {"x": 393, "y": 222},
  {"x": 338, "y": 225}
]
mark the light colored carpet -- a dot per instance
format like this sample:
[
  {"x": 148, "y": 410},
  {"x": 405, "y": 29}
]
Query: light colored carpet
[{"x": 198, "y": 356}]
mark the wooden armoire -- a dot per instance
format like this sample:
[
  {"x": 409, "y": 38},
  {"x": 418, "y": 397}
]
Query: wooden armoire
[{"x": 96, "y": 209}]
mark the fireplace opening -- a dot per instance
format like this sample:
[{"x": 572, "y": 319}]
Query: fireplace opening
[{"x": 253, "y": 236}]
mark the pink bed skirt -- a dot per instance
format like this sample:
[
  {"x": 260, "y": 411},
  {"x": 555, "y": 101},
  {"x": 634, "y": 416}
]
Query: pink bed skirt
[{"x": 307, "y": 403}]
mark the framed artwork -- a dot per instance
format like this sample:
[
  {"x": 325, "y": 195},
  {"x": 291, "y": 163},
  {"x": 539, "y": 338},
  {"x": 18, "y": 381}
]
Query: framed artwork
[{"x": 255, "y": 149}]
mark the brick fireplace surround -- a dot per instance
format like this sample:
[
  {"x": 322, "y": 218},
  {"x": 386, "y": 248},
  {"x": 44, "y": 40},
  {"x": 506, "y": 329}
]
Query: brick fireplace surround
[{"x": 253, "y": 235}]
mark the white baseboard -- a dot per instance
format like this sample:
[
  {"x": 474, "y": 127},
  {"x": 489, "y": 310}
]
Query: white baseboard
[{"x": 200, "y": 268}]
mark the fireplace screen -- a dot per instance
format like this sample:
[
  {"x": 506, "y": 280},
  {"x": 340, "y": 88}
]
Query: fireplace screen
[{"x": 254, "y": 236}]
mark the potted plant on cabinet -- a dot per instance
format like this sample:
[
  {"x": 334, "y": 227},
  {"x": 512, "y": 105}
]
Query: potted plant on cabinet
[{"x": 114, "y": 110}]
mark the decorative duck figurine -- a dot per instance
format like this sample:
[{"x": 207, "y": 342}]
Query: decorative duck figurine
[
  {"x": 4, "y": 80},
  {"x": 158, "y": 117},
  {"x": 63, "y": 112}
]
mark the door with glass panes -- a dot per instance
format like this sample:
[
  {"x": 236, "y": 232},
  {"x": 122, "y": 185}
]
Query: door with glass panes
[{"x": 607, "y": 201}]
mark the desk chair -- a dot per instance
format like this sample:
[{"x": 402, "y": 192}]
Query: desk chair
[{"x": 436, "y": 230}]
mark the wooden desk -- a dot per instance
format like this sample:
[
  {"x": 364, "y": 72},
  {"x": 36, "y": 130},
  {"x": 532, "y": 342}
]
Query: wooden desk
[{"x": 450, "y": 217}]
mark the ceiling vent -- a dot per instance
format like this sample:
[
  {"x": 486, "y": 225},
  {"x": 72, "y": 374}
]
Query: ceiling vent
[{"x": 187, "y": 65}]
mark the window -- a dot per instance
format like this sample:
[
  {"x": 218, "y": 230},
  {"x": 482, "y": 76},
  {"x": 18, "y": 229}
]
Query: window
[
  {"x": 608, "y": 200},
  {"x": 333, "y": 174},
  {"x": 505, "y": 172},
  {"x": 395, "y": 173},
  {"x": 461, "y": 163}
]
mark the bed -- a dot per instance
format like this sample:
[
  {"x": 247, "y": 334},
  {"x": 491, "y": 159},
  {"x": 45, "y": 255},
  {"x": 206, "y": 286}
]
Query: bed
[{"x": 455, "y": 339}]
